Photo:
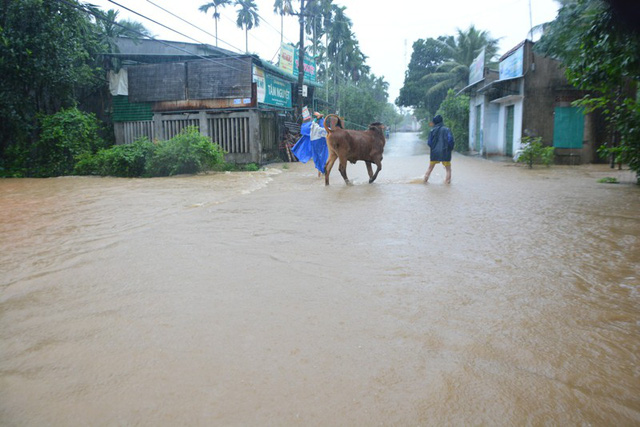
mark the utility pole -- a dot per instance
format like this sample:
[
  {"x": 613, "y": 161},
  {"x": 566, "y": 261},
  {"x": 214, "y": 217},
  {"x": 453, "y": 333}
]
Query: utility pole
[{"x": 301, "y": 61}]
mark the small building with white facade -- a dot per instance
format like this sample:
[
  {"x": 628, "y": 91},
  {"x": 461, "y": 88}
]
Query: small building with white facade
[{"x": 529, "y": 95}]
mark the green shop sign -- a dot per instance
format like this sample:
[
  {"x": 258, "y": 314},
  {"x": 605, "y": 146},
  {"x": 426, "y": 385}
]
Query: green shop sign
[{"x": 272, "y": 90}]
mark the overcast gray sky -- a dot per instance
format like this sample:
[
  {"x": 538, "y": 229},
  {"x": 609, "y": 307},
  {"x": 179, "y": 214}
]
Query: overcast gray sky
[{"x": 385, "y": 31}]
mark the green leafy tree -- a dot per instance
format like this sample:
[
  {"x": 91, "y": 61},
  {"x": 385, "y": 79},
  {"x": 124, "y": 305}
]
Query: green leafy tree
[
  {"x": 364, "y": 102},
  {"x": 108, "y": 29},
  {"x": 65, "y": 136},
  {"x": 47, "y": 52},
  {"x": 461, "y": 51},
  {"x": 346, "y": 62},
  {"x": 352, "y": 89},
  {"x": 426, "y": 57},
  {"x": 247, "y": 18},
  {"x": 601, "y": 56},
  {"x": 455, "y": 112},
  {"x": 440, "y": 64},
  {"x": 215, "y": 4}
]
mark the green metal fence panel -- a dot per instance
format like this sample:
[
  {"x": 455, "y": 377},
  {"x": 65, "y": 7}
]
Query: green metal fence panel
[{"x": 125, "y": 111}]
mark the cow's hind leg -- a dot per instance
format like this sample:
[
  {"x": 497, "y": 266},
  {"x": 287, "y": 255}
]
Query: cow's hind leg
[
  {"x": 327, "y": 167},
  {"x": 342, "y": 167},
  {"x": 370, "y": 171},
  {"x": 378, "y": 169}
]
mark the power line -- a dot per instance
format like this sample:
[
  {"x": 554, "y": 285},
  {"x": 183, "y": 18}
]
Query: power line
[
  {"x": 250, "y": 34},
  {"x": 101, "y": 17},
  {"x": 193, "y": 25},
  {"x": 178, "y": 32},
  {"x": 144, "y": 36},
  {"x": 154, "y": 21}
]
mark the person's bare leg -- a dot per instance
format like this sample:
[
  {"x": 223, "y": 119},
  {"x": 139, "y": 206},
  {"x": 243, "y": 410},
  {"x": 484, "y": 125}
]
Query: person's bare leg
[
  {"x": 447, "y": 179},
  {"x": 426, "y": 175}
]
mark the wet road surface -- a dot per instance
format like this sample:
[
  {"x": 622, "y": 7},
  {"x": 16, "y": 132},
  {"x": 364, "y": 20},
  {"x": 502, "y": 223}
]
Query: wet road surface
[{"x": 510, "y": 297}]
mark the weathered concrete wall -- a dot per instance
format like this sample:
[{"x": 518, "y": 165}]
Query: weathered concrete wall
[
  {"x": 543, "y": 78},
  {"x": 247, "y": 136}
]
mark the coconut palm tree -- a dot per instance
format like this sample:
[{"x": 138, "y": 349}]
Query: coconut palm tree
[
  {"x": 461, "y": 51},
  {"x": 110, "y": 28},
  {"x": 282, "y": 7},
  {"x": 215, "y": 4},
  {"x": 247, "y": 18}
]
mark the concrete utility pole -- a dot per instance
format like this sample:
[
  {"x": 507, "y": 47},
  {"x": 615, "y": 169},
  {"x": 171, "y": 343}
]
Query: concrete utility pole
[{"x": 301, "y": 61}]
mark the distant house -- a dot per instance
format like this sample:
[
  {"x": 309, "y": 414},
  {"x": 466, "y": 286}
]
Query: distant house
[
  {"x": 528, "y": 96},
  {"x": 239, "y": 101}
]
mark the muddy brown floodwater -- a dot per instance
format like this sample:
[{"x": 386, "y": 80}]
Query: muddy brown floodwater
[{"x": 511, "y": 297}]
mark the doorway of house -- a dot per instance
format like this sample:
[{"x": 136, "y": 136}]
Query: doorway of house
[
  {"x": 478, "y": 147},
  {"x": 509, "y": 131}
]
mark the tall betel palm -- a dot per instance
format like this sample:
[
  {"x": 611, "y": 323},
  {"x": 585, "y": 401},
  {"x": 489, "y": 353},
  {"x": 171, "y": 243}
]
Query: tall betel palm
[
  {"x": 282, "y": 7},
  {"x": 247, "y": 18},
  {"x": 215, "y": 4}
]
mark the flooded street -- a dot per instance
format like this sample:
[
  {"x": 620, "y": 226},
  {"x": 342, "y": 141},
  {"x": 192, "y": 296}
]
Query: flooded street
[{"x": 510, "y": 297}]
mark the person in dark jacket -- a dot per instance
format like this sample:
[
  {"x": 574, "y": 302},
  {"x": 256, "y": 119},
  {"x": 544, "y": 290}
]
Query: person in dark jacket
[{"x": 441, "y": 145}]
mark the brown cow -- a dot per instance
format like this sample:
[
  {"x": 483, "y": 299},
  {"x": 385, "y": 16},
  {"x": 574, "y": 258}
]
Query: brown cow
[{"x": 353, "y": 145}]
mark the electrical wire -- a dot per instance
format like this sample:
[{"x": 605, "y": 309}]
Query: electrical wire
[
  {"x": 193, "y": 25},
  {"x": 204, "y": 31},
  {"x": 144, "y": 36},
  {"x": 101, "y": 17},
  {"x": 156, "y": 22}
]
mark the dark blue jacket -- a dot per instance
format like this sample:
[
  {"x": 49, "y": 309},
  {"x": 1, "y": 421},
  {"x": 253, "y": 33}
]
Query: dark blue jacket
[{"x": 441, "y": 143}]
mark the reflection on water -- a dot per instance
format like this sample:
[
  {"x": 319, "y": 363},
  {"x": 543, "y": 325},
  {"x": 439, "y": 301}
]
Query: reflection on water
[{"x": 510, "y": 297}]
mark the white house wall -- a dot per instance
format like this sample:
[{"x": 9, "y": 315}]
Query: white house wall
[
  {"x": 501, "y": 148},
  {"x": 490, "y": 114},
  {"x": 491, "y": 131},
  {"x": 474, "y": 101}
]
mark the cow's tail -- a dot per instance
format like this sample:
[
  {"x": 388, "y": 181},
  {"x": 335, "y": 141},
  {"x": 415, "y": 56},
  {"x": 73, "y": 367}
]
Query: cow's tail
[{"x": 326, "y": 121}]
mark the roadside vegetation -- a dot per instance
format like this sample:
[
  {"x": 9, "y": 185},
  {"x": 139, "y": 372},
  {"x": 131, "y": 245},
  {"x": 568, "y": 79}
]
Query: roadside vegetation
[
  {"x": 438, "y": 69},
  {"x": 53, "y": 73},
  {"x": 189, "y": 152},
  {"x": 534, "y": 153},
  {"x": 600, "y": 48},
  {"x": 598, "y": 45},
  {"x": 53, "y": 90}
]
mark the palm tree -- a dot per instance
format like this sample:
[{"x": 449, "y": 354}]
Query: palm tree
[
  {"x": 315, "y": 11},
  {"x": 282, "y": 7},
  {"x": 109, "y": 29},
  {"x": 247, "y": 18},
  {"x": 215, "y": 4},
  {"x": 461, "y": 50}
]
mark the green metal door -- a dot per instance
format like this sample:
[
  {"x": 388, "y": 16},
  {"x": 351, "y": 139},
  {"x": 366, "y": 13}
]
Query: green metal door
[
  {"x": 478, "y": 128},
  {"x": 568, "y": 127},
  {"x": 509, "y": 131}
]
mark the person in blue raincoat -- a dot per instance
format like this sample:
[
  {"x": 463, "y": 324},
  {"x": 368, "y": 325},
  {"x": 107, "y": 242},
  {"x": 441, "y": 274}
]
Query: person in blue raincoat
[
  {"x": 441, "y": 145},
  {"x": 313, "y": 143}
]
